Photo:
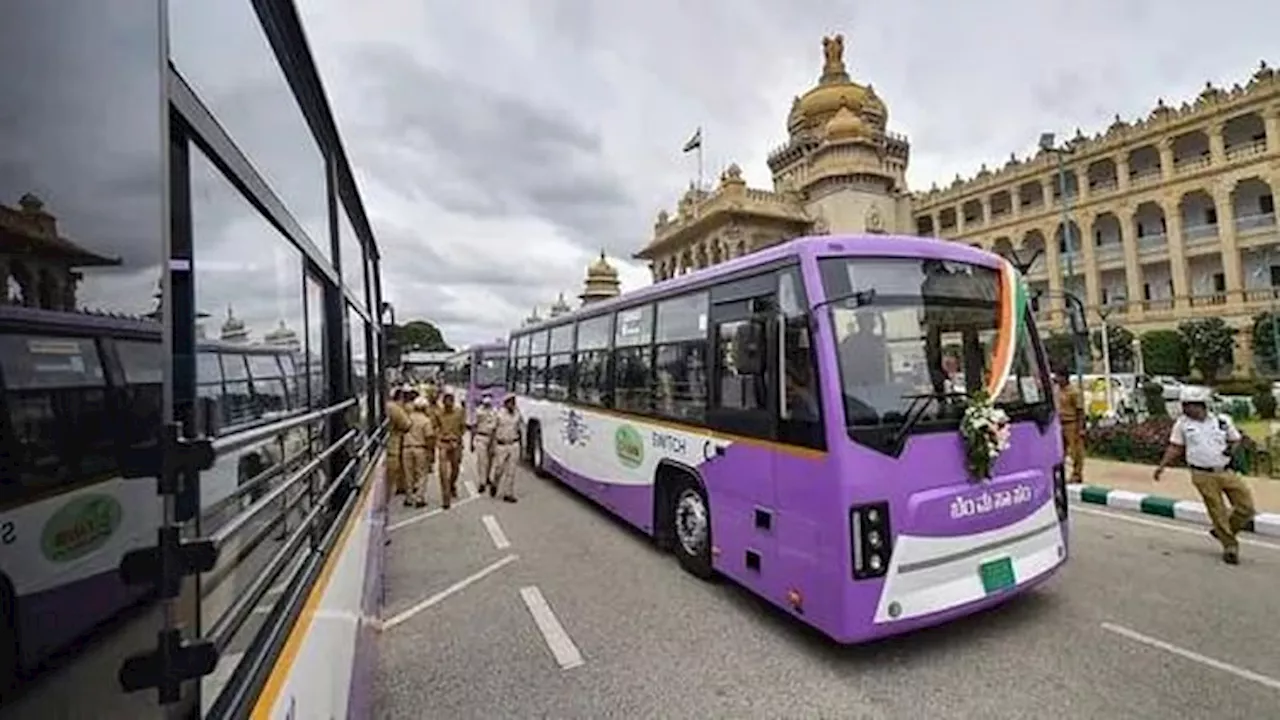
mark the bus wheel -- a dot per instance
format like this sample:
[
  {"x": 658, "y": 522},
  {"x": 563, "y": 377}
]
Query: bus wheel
[
  {"x": 690, "y": 519},
  {"x": 8, "y": 642}
]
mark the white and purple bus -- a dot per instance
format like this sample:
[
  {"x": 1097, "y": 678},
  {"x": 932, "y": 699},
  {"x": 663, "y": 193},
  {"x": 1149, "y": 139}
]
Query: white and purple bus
[
  {"x": 471, "y": 373},
  {"x": 790, "y": 419}
]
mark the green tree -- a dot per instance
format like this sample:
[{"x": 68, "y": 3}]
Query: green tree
[
  {"x": 1264, "y": 343},
  {"x": 1060, "y": 347},
  {"x": 1210, "y": 343},
  {"x": 420, "y": 335},
  {"x": 1120, "y": 341},
  {"x": 1164, "y": 352}
]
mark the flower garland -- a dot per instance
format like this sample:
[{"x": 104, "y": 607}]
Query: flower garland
[{"x": 985, "y": 430}]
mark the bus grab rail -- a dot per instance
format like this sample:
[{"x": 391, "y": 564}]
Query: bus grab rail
[
  {"x": 237, "y": 523},
  {"x": 226, "y": 627},
  {"x": 230, "y": 443}
]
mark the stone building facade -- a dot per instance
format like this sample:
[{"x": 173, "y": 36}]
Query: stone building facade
[{"x": 1171, "y": 216}]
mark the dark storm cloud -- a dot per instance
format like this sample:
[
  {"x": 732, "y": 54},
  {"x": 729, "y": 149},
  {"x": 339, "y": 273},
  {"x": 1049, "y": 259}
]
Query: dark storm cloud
[{"x": 80, "y": 129}]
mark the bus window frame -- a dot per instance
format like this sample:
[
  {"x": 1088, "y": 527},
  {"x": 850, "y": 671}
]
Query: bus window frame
[{"x": 77, "y": 477}]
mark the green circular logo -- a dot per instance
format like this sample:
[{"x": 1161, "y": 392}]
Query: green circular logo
[
  {"x": 629, "y": 446},
  {"x": 80, "y": 527}
]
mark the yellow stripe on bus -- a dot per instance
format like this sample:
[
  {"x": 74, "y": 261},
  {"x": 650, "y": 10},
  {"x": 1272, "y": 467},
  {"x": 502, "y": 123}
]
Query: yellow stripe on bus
[
  {"x": 284, "y": 664},
  {"x": 796, "y": 450}
]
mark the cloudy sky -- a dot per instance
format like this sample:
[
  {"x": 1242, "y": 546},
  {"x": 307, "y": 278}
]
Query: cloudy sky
[{"x": 500, "y": 145}]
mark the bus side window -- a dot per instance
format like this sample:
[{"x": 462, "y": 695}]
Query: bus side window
[
  {"x": 268, "y": 384},
  {"x": 209, "y": 386},
  {"x": 801, "y": 420},
  {"x": 142, "y": 395},
  {"x": 59, "y": 423},
  {"x": 237, "y": 400}
]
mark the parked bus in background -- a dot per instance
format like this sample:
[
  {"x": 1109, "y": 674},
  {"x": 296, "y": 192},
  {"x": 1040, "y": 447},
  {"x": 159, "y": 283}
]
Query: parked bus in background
[
  {"x": 420, "y": 366},
  {"x": 471, "y": 373},
  {"x": 76, "y": 392},
  {"x": 791, "y": 419}
]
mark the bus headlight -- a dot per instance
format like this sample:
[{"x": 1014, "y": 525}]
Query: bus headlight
[
  {"x": 1060, "y": 490},
  {"x": 870, "y": 538}
]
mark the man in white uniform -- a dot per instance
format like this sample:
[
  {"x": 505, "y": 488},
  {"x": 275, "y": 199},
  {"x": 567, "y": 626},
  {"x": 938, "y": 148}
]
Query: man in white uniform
[{"x": 1207, "y": 442}]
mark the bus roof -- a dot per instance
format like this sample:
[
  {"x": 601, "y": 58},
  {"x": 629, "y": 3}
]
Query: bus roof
[
  {"x": 27, "y": 319},
  {"x": 813, "y": 246}
]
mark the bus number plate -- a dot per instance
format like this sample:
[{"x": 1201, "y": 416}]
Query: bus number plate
[{"x": 997, "y": 575}]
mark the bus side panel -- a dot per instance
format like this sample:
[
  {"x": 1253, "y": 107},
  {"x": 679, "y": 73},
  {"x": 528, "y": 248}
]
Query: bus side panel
[{"x": 64, "y": 559}]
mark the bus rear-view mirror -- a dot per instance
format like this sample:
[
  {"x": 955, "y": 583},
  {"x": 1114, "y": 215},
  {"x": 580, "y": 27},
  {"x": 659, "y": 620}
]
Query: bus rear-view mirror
[
  {"x": 391, "y": 349},
  {"x": 1079, "y": 324}
]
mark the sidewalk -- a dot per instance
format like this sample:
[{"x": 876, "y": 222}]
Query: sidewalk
[{"x": 1129, "y": 486}]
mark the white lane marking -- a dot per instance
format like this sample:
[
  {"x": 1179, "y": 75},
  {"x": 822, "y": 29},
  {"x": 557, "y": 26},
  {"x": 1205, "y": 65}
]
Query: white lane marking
[
  {"x": 428, "y": 514},
  {"x": 1198, "y": 531},
  {"x": 1193, "y": 656},
  {"x": 562, "y": 647},
  {"x": 456, "y": 587},
  {"x": 498, "y": 537},
  {"x": 470, "y": 488}
]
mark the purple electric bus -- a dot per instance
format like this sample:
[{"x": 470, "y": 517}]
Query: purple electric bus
[
  {"x": 791, "y": 419},
  {"x": 470, "y": 373}
]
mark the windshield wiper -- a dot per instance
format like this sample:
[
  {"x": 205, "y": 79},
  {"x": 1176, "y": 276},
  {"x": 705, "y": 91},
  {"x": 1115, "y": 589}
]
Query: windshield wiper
[
  {"x": 860, "y": 298},
  {"x": 916, "y": 410}
]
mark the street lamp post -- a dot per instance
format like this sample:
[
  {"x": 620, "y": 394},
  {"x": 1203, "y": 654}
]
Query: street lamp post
[
  {"x": 1047, "y": 144},
  {"x": 1105, "y": 312}
]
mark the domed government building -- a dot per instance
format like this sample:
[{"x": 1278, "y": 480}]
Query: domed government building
[{"x": 1171, "y": 216}]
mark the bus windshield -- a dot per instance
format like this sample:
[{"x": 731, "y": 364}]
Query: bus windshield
[
  {"x": 491, "y": 368},
  {"x": 926, "y": 328}
]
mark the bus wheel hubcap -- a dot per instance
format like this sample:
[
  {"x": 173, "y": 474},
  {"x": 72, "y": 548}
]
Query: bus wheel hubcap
[{"x": 691, "y": 522}]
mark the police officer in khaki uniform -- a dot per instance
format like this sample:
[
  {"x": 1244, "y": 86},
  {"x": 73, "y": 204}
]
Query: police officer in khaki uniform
[
  {"x": 505, "y": 444},
  {"x": 486, "y": 422},
  {"x": 1071, "y": 412},
  {"x": 1207, "y": 442},
  {"x": 452, "y": 425},
  {"x": 418, "y": 452},
  {"x": 398, "y": 416}
]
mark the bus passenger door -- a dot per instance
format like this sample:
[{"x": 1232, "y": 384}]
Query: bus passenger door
[{"x": 738, "y": 469}]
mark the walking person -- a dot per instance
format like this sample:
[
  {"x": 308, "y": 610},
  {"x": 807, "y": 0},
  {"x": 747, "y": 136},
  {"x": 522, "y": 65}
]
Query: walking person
[
  {"x": 1071, "y": 414},
  {"x": 1208, "y": 442},
  {"x": 418, "y": 453},
  {"x": 398, "y": 416},
  {"x": 486, "y": 422},
  {"x": 506, "y": 442},
  {"x": 452, "y": 424}
]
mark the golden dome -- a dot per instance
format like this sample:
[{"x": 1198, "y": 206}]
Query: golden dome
[
  {"x": 601, "y": 268},
  {"x": 835, "y": 90},
  {"x": 845, "y": 125}
]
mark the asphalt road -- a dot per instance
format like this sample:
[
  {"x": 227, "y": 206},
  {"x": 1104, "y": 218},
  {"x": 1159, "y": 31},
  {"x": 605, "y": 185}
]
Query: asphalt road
[{"x": 1145, "y": 622}]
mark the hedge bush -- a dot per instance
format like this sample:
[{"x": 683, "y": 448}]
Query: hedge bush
[{"x": 1145, "y": 442}]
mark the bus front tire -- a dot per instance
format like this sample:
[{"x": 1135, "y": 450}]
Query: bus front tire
[
  {"x": 690, "y": 527},
  {"x": 537, "y": 456}
]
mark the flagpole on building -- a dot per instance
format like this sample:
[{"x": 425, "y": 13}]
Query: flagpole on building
[
  {"x": 695, "y": 143},
  {"x": 699, "y": 159}
]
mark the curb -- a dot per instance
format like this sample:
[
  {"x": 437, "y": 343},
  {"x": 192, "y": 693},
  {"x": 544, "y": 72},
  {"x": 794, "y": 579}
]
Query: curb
[{"x": 1267, "y": 524}]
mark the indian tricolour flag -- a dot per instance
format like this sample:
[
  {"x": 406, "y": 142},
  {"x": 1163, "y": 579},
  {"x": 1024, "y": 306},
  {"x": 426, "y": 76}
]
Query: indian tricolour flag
[{"x": 1011, "y": 311}]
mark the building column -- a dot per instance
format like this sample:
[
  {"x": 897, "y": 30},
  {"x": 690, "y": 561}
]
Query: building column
[
  {"x": 1088, "y": 258},
  {"x": 1122, "y": 172},
  {"x": 1177, "y": 256},
  {"x": 959, "y": 220},
  {"x": 1053, "y": 263},
  {"x": 1166, "y": 158},
  {"x": 1271, "y": 119},
  {"x": 1217, "y": 145},
  {"x": 1132, "y": 266},
  {"x": 1221, "y": 193}
]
